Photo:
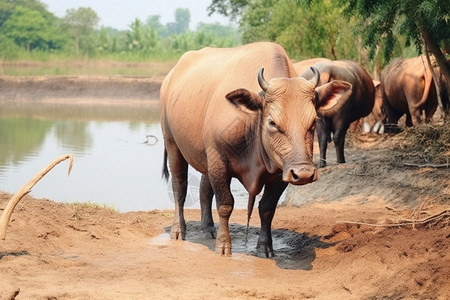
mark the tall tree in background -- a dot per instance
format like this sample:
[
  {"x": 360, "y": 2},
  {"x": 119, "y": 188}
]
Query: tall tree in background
[
  {"x": 80, "y": 22},
  {"x": 304, "y": 28},
  {"x": 228, "y": 8},
  {"x": 7, "y": 7},
  {"x": 423, "y": 22},
  {"x": 27, "y": 28},
  {"x": 182, "y": 20}
]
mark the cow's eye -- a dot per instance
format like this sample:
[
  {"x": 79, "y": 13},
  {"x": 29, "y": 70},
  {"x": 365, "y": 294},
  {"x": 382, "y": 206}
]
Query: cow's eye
[
  {"x": 272, "y": 125},
  {"x": 271, "y": 122}
]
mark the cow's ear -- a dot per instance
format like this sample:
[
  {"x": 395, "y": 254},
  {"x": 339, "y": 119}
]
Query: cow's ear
[
  {"x": 331, "y": 96},
  {"x": 246, "y": 100}
]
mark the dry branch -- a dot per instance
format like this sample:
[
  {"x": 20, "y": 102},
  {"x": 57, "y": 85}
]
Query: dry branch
[
  {"x": 447, "y": 165},
  {"x": 6, "y": 215},
  {"x": 441, "y": 214}
]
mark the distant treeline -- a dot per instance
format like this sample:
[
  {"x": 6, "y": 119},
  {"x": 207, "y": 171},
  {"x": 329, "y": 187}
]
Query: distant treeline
[
  {"x": 29, "y": 31},
  {"x": 365, "y": 31}
]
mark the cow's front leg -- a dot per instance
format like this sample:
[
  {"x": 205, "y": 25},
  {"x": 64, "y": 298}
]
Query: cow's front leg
[
  {"x": 339, "y": 141},
  {"x": 267, "y": 206},
  {"x": 323, "y": 141},
  {"x": 206, "y": 195}
]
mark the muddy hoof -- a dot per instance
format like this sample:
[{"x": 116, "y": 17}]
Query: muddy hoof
[
  {"x": 177, "y": 234},
  {"x": 223, "y": 248},
  {"x": 265, "y": 251},
  {"x": 209, "y": 233}
]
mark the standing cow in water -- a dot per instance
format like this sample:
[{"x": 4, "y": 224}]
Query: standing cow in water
[
  {"x": 359, "y": 105},
  {"x": 224, "y": 117}
]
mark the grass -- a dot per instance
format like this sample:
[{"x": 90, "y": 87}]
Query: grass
[
  {"x": 93, "y": 67},
  {"x": 81, "y": 209}
]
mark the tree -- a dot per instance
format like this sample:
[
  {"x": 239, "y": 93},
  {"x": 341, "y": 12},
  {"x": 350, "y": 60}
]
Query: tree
[
  {"x": 425, "y": 23},
  {"x": 7, "y": 7},
  {"x": 80, "y": 22},
  {"x": 228, "y": 8},
  {"x": 135, "y": 36},
  {"x": 182, "y": 20},
  {"x": 27, "y": 28},
  {"x": 154, "y": 22},
  {"x": 317, "y": 29}
]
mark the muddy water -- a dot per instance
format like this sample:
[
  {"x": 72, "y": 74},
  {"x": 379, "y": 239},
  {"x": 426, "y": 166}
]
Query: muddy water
[
  {"x": 118, "y": 155},
  {"x": 292, "y": 250}
]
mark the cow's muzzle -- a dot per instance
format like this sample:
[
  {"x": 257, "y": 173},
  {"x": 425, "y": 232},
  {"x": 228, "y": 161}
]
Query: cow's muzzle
[{"x": 300, "y": 175}]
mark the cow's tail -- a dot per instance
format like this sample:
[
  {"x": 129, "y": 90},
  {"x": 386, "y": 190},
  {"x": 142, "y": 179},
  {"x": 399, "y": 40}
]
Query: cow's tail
[
  {"x": 165, "y": 169},
  {"x": 428, "y": 77},
  {"x": 251, "y": 203}
]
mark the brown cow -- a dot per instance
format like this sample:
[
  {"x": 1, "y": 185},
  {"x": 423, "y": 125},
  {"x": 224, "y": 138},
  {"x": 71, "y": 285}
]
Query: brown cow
[
  {"x": 359, "y": 105},
  {"x": 407, "y": 89},
  {"x": 222, "y": 117},
  {"x": 374, "y": 122}
]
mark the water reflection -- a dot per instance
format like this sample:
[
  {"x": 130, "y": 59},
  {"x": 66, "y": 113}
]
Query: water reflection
[{"x": 113, "y": 164}]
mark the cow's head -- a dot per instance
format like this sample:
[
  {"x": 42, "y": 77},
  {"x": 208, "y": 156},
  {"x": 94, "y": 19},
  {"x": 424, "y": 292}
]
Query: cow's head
[{"x": 289, "y": 108}]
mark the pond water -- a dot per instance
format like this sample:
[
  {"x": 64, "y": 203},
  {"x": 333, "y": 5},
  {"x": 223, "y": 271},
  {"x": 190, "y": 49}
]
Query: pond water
[{"x": 118, "y": 155}]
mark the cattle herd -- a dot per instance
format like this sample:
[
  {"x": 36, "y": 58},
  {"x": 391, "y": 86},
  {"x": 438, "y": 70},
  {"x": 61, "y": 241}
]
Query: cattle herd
[{"x": 250, "y": 113}]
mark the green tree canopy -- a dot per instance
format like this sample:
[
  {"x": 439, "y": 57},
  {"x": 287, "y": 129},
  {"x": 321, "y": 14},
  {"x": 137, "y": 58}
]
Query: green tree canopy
[
  {"x": 182, "y": 20},
  {"x": 80, "y": 23},
  {"x": 317, "y": 29},
  {"x": 425, "y": 23},
  {"x": 7, "y": 7},
  {"x": 29, "y": 29}
]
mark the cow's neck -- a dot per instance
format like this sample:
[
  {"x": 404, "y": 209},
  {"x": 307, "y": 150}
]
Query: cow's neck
[
  {"x": 262, "y": 153},
  {"x": 253, "y": 166}
]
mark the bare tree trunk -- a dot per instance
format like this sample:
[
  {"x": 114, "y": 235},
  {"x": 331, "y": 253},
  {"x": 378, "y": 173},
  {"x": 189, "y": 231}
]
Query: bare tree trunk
[
  {"x": 431, "y": 46},
  {"x": 436, "y": 79}
]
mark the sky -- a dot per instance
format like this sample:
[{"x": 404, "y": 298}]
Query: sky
[{"x": 120, "y": 14}]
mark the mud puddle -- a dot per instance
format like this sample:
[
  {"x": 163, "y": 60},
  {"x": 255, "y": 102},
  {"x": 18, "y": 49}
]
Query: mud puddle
[{"x": 293, "y": 250}]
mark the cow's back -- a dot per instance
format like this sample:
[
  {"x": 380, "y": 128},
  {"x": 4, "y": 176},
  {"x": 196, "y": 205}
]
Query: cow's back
[
  {"x": 363, "y": 87},
  {"x": 363, "y": 95},
  {"x": 193, "y": 103}
]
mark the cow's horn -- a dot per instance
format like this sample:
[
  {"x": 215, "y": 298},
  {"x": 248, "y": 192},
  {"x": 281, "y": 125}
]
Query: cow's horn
[
  {"x": 262, "y": 82},
  {"x": 315, "y": 80}
]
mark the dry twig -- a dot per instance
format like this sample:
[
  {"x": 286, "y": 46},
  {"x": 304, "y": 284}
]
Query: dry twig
[
  {"x": 447, "y": 165},
  {"x": 442, "y": 214},
  {"x": 6, "y": 215}
]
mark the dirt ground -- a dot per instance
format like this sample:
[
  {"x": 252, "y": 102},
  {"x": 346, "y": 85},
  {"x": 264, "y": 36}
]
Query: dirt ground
[{"x": 338, "y": 238}]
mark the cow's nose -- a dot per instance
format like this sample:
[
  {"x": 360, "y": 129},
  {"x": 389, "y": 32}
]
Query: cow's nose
[{"x": 301, "y": 175}]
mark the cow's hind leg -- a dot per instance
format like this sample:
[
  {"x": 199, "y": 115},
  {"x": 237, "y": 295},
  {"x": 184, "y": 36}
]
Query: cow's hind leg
[
  {"x": 267, "y": 206},
  {"x": 206, "y": 195},
  {"x": 178, "y": 167}
]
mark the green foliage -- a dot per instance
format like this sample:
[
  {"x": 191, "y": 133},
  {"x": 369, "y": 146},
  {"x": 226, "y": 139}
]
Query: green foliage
[
  {"x": 228, "y": 8},
  {"x": 9, "y": 49},
  {"x": 28, "y": 31},
  {"x": 304, "y": 28},
  {"x": 390, "y": 22},
  {"x": 80, "y": 23}
]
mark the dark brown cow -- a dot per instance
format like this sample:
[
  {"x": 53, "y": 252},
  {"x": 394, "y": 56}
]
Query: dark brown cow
[
  {"x": 407, "y": 86},
  {"x": 359, "y": 105},
  {"x": 221, "y": 116}
]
